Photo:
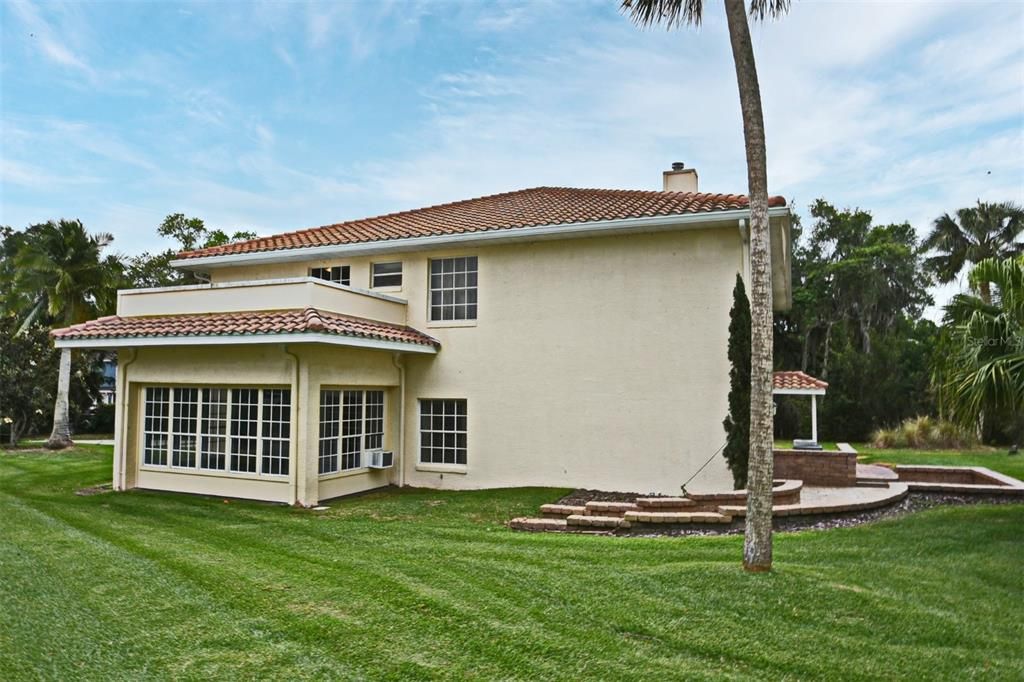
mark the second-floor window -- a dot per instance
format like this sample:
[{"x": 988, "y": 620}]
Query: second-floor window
[
  {"x": 453, "y": 288},
  {"x": 339, "y": 274},
  {"x": 386, "y": 275}
]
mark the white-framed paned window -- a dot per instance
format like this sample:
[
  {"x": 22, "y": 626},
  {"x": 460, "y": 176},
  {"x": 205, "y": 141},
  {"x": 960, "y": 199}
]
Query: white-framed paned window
[
  {"x": 443, "y": 431},
  {"x": 155, "y": 424},
  {"x": 218, "y": 429},
  {"x": 245, "y": 412},
  {"x": 213, "y": 430},
  {"x": 339, "y": 274},
  {"x": 374, "y": 421},
  {"x": 453, "y": 294},
  {"x": 277, "y": 423},
  {"x": 183, "y": 427},
  {"x": 351, "y": 422},
  {"x": 386, "y": 274},
  {"x": 330, "y": 425}
]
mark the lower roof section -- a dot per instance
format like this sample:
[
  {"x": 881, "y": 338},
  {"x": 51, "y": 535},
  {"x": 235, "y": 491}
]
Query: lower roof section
[{"x": 305, "y": 325}]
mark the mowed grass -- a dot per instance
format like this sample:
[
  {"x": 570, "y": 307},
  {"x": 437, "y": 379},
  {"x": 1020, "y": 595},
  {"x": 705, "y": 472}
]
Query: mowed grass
[
  {"x": 420, "y": 584},
  {"x": 995, "y": 459}
]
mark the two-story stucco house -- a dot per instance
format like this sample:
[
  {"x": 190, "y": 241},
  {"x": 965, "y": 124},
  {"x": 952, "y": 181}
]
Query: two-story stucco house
[{"x": 544, "y": 337}]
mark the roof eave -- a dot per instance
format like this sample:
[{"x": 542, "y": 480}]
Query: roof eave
[
  {"x": 243, "y": 339},
  {"x": 560, "y": 231}
]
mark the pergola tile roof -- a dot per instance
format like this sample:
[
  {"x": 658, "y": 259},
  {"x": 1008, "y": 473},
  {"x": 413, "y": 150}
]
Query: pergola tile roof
[
  {"x": 797, "y": 381},
  {"x": 258, "y": 322},
  {"x": 511, "y": 210}
]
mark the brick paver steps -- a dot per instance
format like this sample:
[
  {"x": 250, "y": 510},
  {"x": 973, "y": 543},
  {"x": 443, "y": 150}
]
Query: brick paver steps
[
  {"x": 634, "y": 517},
  {"x": 551, "y": 511},
  {"x": 609, "y": 508},
  {"x": 538, "y": 524},
  {"x": 664, "y": 503},
  {"x": 596, "y": 521}
]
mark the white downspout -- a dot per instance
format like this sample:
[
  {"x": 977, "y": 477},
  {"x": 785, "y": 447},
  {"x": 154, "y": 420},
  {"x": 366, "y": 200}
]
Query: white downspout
[
  {"x": 745, "y": 246},
  {"x": 400, "y": 364},
  {"x": 121, "y": 417}
]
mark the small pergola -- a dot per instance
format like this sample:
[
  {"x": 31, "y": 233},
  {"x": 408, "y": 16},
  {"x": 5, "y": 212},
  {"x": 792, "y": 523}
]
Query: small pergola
[{"x": 799, "y": 383}]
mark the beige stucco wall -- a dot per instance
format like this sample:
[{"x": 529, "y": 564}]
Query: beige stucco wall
[
  {"x": 271, "y": 295},
  {"x": 596, "y": 362}
]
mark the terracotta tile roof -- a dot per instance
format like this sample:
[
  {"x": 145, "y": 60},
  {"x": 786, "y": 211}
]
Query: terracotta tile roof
[
  {"x": 249, "y": 322},
  {"x": 524, "y": 208},
  {"x": 797, "y": 380}
]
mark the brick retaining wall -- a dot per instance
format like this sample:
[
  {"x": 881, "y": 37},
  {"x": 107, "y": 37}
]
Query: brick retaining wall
[{"x": 827, "y": 468}]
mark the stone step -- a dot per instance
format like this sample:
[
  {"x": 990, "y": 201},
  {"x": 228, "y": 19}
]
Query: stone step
[
  {"x": 523, "y": 523},
  {"x": 664, "y": 503},
  {"x": 676, "y": 517},
  {"x": 560, "y": 511},
  {"x": 609, "y": 508},
  {"x": 596, "y": 521},
  {"x": 872, "y": 483}
]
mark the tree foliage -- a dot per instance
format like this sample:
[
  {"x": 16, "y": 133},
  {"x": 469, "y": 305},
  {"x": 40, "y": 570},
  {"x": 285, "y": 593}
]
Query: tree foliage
[
  {"x": 28, "y": 381},
  {"x": 737, "y": 422},
  {"x": 154, "y": 270},
  {"x": 858, "y": 294},
  {"x": 980, "y": 373},
  {"x": 976, "y": 233}
]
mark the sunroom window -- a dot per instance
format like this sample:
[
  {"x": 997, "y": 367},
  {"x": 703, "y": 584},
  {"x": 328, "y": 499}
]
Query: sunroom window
[
  {"x": 351, "y": 422},
  {"x": 241, "y": 430}
]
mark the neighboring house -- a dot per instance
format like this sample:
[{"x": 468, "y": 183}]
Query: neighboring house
[
  {"x": 545, "y": 337},
  {"x": 108, "y": 384}
]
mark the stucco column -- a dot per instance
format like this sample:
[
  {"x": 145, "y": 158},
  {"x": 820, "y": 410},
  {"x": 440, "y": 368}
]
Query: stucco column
[{"x": 305, "y": 478}]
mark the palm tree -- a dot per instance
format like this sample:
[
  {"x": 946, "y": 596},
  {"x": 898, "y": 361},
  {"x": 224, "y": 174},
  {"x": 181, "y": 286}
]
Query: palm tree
[
  {"x": 976, "y": 233},
  {"x": 757, "y": 546},
  {"x": 982, "y": 370},
  {"x": 60, "y": 272}
]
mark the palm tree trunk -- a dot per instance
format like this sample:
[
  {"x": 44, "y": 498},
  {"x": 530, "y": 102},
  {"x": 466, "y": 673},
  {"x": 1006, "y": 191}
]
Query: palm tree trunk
[
  {"x": 985, "y": 292},
  {"x": 757, "y": 546},
  {"x": 61, "y": 435}
]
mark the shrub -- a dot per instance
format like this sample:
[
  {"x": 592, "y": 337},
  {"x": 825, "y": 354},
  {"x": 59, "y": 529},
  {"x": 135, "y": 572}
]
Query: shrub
[{"x": 925, "y": 433}]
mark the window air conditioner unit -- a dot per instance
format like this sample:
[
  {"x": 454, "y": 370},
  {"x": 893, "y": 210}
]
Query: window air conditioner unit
[{"x": 381, "y": 459}]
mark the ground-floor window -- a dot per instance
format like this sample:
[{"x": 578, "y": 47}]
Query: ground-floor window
[
  {"x": 242, "y": 430},
  {"x": 351, "y": 422},
  {"x": 442, "y": 431}
]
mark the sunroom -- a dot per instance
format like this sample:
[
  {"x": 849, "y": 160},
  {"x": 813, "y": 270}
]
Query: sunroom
[{"x": 292, "y": 406}]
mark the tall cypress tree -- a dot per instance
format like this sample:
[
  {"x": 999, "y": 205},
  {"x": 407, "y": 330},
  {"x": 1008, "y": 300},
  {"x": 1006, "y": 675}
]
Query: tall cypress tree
[{"x": 737, "y": 423}]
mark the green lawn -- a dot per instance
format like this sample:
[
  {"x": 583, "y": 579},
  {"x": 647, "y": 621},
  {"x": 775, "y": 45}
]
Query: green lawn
[
  {"x": 997, "y": 460},
  {"x": 420, "y": 584}
]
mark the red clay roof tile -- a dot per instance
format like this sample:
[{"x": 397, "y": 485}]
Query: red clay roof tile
[
  {"x": 796, "y": 380},
  {"x": 511, "y": 210},
  {"x": 250, "y": 322}
]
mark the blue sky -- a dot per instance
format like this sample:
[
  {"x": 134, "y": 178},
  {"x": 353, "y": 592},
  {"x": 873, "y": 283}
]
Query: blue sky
[{"x": 278, "y": 116}]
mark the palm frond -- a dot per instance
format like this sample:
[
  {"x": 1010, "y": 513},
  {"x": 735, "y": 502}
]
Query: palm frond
[{"x": 671, "y": 13}]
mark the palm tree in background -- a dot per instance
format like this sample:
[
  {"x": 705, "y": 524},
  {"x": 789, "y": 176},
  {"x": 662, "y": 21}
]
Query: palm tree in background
[
  {"x": 975, "y": 234},
  {"x": 60, "y": 274},
  {"x": 757, "y": 546},
  {"x": 982, "y": 368}
]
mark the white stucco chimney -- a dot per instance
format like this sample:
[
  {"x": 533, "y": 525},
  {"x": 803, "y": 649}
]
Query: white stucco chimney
[{"x": 679, "y": 179}]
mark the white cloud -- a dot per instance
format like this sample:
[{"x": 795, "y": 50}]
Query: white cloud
[{"x": 53, "y": 41}]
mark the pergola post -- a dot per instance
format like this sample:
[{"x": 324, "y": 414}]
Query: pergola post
[{"x": 814, "y": 418}]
